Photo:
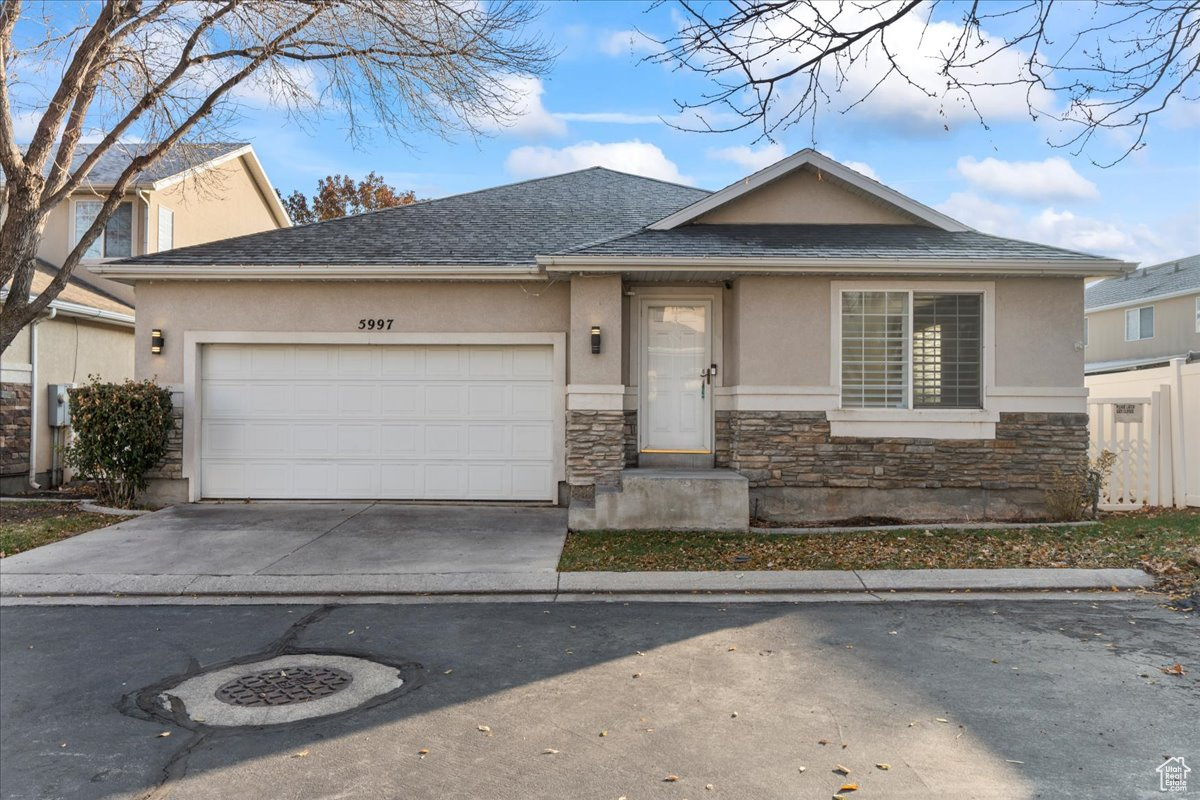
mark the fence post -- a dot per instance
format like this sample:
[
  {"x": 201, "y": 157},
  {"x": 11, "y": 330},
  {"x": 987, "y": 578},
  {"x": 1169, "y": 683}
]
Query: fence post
[{"x": 1178, "y": 451}]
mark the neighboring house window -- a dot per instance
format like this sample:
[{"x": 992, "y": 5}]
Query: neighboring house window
[
  {"x": 1085, "y": 331},
  {"x": 1139, "y": 323},
  {"x": 905, "y": 349},
  {"x": 166, "y": 229},
  {"x": 116, "y": 240}
]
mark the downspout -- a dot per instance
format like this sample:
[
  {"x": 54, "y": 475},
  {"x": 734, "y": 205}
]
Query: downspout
[
  {"x": 145, "y": 198},
  {"x": 33, "y": 396}
]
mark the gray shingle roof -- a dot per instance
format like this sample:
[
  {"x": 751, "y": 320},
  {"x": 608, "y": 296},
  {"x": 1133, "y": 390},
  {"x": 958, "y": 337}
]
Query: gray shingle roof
[
  {"x": 824, "y": 241},
  {"x": 1147, "y": 283},
  {"x": 180, "y": 158},
  {"x": 506, "y": 225}
]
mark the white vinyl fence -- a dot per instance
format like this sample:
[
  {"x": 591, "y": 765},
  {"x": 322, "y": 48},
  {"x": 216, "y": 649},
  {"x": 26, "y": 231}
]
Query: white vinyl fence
[{"x": 1151, "y": 420}]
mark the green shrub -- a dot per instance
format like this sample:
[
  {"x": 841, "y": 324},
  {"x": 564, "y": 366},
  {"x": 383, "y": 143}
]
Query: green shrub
[
  {"x": 1075, "y": 493},
  {"x": 120, "y": 435}
]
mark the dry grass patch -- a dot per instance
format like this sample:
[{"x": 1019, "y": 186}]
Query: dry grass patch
[
  {"x": 1165, "y": 543},
  {"x": 24, "y": 526}
]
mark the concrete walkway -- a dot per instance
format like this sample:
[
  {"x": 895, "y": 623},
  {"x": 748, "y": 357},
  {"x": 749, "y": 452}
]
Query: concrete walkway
[{"x": 379, "y": 550}]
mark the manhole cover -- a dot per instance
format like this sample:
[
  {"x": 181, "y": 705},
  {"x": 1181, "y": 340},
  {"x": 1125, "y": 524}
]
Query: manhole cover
[{"x": 281, "y": 687}]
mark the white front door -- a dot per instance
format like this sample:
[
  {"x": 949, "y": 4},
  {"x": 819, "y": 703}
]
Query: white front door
[{"x": 676, "y": 395}]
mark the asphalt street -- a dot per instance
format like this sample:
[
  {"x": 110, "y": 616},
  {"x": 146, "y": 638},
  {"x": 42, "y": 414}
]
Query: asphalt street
[{"x": 981, "y": 699}]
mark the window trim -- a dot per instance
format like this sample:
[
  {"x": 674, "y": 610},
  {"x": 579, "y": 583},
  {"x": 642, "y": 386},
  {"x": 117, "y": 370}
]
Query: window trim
[
  {"x": 1086, "y": 325},
  {"x": 1153, "y": 322},
  {"x": 983, "y": 416},
  {"x": 168, "y": 214},
  {"x": 73, "y": 235}
]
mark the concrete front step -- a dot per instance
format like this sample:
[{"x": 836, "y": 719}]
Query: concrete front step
[{"x": 668, "y": 499}]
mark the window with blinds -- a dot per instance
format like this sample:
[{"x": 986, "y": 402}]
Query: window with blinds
[
  {"x": 946, "y": 349},
  {"x": 874, "y": 334},
  {"x": 912, "y": 349}
]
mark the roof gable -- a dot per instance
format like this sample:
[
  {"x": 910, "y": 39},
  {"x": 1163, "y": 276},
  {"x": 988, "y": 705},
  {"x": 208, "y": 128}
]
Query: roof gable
[{"x": 808, "y": 188}]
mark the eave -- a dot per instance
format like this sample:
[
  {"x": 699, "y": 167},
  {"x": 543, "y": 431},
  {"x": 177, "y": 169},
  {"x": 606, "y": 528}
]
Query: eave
[
  {"x": 317, "y": 272},
  {"x": 833, "y": 266}
]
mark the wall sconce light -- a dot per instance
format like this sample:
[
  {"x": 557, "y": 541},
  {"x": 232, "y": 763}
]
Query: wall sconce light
[
  {"x": 595, "y": 339},
  {"x": 156, "y": 341}
]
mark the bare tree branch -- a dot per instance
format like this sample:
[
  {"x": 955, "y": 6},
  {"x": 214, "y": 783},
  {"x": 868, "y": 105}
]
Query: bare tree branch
[{"x": 166, "y": 72}]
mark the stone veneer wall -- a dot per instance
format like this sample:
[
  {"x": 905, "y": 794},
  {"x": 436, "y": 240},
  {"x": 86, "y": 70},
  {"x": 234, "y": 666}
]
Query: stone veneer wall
[
  {"x": 596, "y": 447},
  {"x": 631, "y": 440},
  {"x": 797, "y": 469},
  {"x": 166, "y": 483},
  {"x": 15, "y": 417}
]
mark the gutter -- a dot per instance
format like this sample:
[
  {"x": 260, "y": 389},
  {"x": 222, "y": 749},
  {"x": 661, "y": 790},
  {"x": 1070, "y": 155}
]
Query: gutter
[
  {"x": 1149, "y": 299},
  {"x": 84, "y": 312},
  {"x": 750, "y": 266},
  {"x": 129, "y": 274}
]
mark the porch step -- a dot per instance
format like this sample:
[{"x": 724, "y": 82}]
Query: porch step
[{"x": 668, "y": 499}]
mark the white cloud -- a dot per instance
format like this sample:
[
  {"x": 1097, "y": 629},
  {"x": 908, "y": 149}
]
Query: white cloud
[
  {"x": 525, "y": 115},
  {"x": 749, "y": 158},
  {"x": 861, "y": 167},
  {"x": 611, "y": 117},
  {"x": 629, "y": 42},
  {"x": 1052, "y": 179},
  {"x": 1119, "y": 238},
  {"x": 637, "y": 157}
]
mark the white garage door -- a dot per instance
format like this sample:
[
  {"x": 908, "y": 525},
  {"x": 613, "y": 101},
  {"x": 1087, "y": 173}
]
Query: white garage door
[{"x": 377, "y": 421}]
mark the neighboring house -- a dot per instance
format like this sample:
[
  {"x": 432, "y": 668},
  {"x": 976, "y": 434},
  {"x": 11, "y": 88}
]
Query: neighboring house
[
  {"x": 1143, "y": 319},
  {"x": 195, "y": 194},
  {"x": 806, "y": 343}
]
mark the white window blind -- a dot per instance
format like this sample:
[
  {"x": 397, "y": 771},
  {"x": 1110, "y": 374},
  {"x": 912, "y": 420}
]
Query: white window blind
[
  {"x": 116, "y": 240},
  {"x": 904, "y": 349}
]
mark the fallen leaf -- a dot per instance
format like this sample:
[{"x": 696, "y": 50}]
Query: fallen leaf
[
  {"x": 604, "y": 733},
  {"x": 802, "y": 769},
  {"x": 733, "y": 715},
  {"x": 1174, "y": 669},
  {"x": 637, "y": 674},
  {"x": 549, "y": 751},
  {"x": 301, "y": 754},
  {"x": 485, "y": 729},
  {"x": 447, "y": 672},
  {"x": 423, "y": 752},
  {"x": 841, "y": 769},
  {"x": 671, "y": 779},
  {"x": 164, "y": 733},
  {"x": 730, "y": 650},
  {"x": 1013, "y": 761},
  {"x": 708, "y": 787},
  {"x": 884, "y": 767},
  {"x": 350, "y": 633},
  {"x": 939, "y": 719},
  {"x": 822, "y": 742},
  {"x": 849, "y": 787}
]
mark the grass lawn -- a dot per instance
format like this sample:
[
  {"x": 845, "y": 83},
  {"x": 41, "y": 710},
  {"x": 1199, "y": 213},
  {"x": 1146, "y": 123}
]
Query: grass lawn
[
  {"x": 24, "y": 526},
  {"x": 1164, "y": 543}
]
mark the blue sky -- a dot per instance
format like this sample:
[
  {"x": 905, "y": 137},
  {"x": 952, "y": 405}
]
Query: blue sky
[{"x": 601, "y": 103}]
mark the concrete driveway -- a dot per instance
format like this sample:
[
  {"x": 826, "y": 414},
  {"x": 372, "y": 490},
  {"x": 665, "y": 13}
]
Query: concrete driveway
[{"x": 287, "y": 547}]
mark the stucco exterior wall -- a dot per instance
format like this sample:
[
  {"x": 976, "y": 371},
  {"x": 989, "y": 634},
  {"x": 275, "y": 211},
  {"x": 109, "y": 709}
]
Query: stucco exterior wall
[
  {"x": 218, "y": 203},
  {"x": 1174, "y": 331},
  {"x": 803, "y": 198},
  {"x": 1039, "y": 323},
  {"x": 176, "y": 307},
  {"x": 781, "y": 332},
  {"x": 595, "y": 301}
]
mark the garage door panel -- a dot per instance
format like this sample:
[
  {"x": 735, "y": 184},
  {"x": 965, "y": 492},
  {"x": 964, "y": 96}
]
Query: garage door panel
[
  {"x": 357, "y": 441},
  {"x": 377, "y": 421},
  {"x": 445, "y": 399},
  {"x": 489, "y": 400}
]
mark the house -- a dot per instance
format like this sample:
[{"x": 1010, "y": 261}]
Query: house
[
  {"x": 195, "y": 194},
  {"x": 804, "y": 344},
  {"x": 1143, "y": 319}
]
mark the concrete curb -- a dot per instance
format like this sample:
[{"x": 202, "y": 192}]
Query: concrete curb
[
  {"x": 769, "y": 586},
  {"x": 113, "y": 512},
  {"x": 937, "y": 526}
]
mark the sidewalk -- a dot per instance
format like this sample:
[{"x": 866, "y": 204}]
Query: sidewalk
[{"x": 541, "y": 585}]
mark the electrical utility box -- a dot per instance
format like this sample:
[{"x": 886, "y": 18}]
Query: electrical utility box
[{"x": 58, "y": 405}]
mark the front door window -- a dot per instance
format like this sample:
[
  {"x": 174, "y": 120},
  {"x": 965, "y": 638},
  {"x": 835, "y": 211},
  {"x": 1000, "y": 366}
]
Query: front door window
[{"x": 676, "y": 394}]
